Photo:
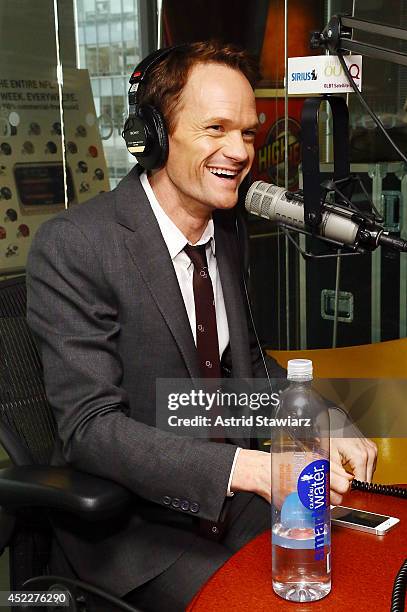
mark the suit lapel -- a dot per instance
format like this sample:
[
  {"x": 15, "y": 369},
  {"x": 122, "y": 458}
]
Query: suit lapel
[{"x": 149, "y": 253}]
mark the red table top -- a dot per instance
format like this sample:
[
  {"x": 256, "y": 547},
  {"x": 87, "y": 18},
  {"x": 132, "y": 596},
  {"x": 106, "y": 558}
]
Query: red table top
[{"x": 364, "y": 567}]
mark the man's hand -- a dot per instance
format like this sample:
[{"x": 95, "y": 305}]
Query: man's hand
[
  {"x": 351, "y": 450},
  {"x": 253, "y": 468},
  {"x": 253, "y": 473},
  {"x": 359, "y": 455}
]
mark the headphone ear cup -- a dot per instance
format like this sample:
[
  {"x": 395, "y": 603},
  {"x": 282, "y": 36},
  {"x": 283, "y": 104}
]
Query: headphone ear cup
[
  {"x": 156, "y": 152},
  {"x": 135, "y": 136}
]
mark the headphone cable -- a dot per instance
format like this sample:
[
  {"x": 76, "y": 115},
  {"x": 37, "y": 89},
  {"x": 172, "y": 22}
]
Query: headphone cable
[
  {"x": 381, "y": 489},
  {"x": 398, "y": 595}
]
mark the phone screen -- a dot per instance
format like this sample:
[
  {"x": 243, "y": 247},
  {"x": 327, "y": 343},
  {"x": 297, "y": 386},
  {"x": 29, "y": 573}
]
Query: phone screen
[{"x": 358, "y": 517}]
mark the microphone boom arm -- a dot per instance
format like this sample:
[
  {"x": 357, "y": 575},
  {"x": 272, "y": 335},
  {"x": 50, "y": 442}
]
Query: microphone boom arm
[
  {"x": 307, "y": 255},
  {"x": 337, "y": 36}
]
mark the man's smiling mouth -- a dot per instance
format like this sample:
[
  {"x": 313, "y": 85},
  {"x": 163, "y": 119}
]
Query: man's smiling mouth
[{"x": 223, "y": 173}]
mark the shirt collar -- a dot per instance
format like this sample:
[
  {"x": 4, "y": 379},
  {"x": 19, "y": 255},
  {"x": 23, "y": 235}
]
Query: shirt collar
[{"x": 173, "y": 237}]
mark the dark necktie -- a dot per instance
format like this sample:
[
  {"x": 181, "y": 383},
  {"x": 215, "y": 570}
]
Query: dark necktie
[
  {"x": 208, "y": 349},
  {"x": 206, "y": 331}
]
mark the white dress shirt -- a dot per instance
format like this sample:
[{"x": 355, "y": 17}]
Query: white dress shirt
[{"x": 184, "y": 269}]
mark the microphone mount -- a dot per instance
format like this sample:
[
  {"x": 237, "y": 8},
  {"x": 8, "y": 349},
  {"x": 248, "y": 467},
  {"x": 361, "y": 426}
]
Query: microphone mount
[
  {"x": 313, "y": 191},
  {"x": 370, "y": 233},
  {"x": 342, "y": 223},
  {"x": 337, "y": 37},
  {"x": 335, "y": 193}
]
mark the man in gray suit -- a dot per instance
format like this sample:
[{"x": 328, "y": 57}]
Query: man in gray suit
[{"x": 112, "y": 305}]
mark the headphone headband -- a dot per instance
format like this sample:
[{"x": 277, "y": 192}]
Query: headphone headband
[{"x": 141, "y": 71}]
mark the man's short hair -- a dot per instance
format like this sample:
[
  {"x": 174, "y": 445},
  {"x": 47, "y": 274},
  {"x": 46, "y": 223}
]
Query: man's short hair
[{"x": 167, "y": 79}]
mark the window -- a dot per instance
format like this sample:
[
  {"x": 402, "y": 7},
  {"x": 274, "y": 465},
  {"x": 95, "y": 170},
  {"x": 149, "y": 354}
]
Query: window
[{"x": 109, "y": 47}]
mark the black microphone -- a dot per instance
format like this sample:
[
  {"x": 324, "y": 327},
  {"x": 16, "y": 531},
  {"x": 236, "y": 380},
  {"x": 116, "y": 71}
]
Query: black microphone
[{"x": 338, "y": 224}]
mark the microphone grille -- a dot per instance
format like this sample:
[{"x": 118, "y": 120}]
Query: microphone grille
[
  {"x": 254, "y": 198},
  {"x": 255, "y": 203},
  {"x": 260, "y": 199}
]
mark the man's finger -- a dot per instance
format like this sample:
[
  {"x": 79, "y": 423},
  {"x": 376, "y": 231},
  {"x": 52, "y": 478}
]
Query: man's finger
[
  {"x": 340, "y": 481},
  {"x": 373, "y": 446},
  {"x": 355, "y": 455},
  {"x": 371, "y": 462},
  {"x": 335, "y": 498},
  {"x": 358, "y": 464}
]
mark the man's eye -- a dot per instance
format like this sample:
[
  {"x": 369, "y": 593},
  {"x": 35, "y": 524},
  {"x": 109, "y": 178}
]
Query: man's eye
[
  {"x": 217, "y": 128},
  {"x": 250, "y": 134}
]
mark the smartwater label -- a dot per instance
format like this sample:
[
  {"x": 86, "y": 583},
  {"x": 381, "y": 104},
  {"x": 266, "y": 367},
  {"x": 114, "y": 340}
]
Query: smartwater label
[
  {"x": 313, "y": 491},
  {"x": 313, "y": 485}
]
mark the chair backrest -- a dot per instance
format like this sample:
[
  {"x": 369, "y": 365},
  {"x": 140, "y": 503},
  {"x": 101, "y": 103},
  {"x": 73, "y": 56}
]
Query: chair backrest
[{"x": 27, "y": 426}]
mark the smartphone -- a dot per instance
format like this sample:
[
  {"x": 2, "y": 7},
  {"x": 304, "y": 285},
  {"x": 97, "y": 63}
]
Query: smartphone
[{"x": 362, "y": 520}]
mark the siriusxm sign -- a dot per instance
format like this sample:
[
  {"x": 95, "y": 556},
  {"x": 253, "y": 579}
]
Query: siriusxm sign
[
  {"x": 304, "y": 76},
  {"x": 322, "y": 74}
]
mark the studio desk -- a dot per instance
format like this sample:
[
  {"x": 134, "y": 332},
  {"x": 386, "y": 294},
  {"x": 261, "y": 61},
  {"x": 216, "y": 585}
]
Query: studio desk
[{"x": 364, "y": 567}]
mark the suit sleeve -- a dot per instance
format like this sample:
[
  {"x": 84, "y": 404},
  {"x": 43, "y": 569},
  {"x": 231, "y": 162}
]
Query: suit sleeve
[{"x": 73, "y": 314}]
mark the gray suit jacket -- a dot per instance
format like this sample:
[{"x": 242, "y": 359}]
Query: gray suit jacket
[{"x": 106, "y": 309}]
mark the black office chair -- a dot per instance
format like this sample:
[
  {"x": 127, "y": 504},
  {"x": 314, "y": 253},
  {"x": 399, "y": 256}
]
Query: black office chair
[{"x": 30, "y": 490}]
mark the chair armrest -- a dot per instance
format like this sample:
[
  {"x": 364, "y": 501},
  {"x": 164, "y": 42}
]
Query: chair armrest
[{"x": 61, "y": 488}]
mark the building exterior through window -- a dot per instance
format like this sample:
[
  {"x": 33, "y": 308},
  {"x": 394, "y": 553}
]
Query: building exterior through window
[{"x": 108, "y": 41}]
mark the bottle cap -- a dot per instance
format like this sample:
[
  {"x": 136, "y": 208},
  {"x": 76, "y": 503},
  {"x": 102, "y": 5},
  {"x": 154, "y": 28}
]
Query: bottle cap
[{"x": 299, "y": 369}]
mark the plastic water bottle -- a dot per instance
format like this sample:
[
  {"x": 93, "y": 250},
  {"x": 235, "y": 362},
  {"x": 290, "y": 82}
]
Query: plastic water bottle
[{"x": 301, "y": 527}]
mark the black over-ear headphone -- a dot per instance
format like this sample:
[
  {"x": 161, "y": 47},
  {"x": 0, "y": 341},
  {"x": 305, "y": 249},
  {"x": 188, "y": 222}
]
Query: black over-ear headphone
[{"x": 145, "y": 132}]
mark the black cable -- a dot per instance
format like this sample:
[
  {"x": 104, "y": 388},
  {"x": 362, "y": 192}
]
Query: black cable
[
  {"x": 356, "y": 484},
  {"x": 249, "y": 307},
  {"x": 373, "y": 115},
  {"x": 398, "y": 595},
  {"x": 45, "y": 581},
  {"x": 371, "y": 487}
]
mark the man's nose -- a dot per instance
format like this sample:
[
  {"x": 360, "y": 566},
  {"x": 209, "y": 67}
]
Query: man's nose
[{"x": 235, "y": 147}]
